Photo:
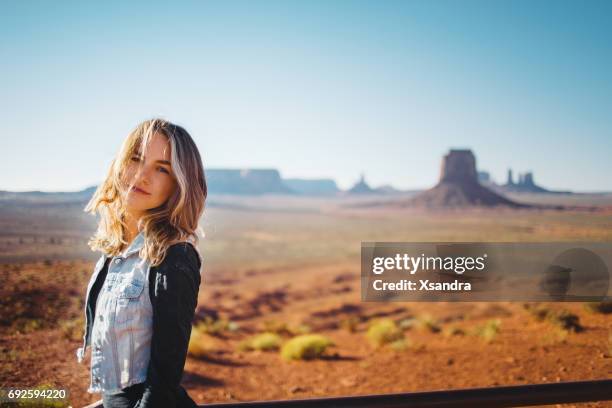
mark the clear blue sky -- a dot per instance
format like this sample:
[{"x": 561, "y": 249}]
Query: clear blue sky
[{"x": 312, "y": 88}]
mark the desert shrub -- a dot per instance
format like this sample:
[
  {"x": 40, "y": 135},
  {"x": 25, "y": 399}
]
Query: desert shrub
[
  {"x": 566, "y": 320},
  {"x": 539, "y": 313},
  {"x": 28, "y": 325},
  {"x": 453, "y": 331},
  {"x": 300, "y": 329},
  {"x": 427, "y": 322},
  {"x": 214, "y": 327},
  {"x": 232, "y": 326},
  {"x": 400, "y": 344},
  {"x": 31, "y": 306},
  {"x": 274, "y": 326},
  {"x": 555, "y": 336},
  {"x": 407, "y": 323},
  {"x": 561, "y": 318},
  {"x": 487, "y": 331},
  {"x": 73, "y": 328},
  {"x": 383, "y": 331},
  {"x": 263, "y": 341},
  {"x": 284, "y": 329},
  {"x": 599, "y": 307},
  {"x": 305, "y": 346},
  {"x": 200, "y": 344}
]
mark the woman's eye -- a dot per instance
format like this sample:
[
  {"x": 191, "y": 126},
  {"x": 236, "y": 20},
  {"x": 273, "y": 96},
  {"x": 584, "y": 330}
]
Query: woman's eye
[
  {"x": 163, "y": 170},
  {"x": 135, "y": 158}
]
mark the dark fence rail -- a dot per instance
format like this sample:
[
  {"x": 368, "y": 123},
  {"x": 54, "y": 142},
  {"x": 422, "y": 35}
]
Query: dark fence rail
[{"x": 507, "y": 396}]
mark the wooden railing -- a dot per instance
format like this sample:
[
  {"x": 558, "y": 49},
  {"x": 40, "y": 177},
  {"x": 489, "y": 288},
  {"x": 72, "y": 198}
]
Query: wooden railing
[{"x": 507, "y": 396}]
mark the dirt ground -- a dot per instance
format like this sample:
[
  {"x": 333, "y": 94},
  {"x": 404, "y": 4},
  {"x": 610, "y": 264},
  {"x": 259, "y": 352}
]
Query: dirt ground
[
  {"x": 291, "y": 270},
  {"x": 322, "y": 297}
]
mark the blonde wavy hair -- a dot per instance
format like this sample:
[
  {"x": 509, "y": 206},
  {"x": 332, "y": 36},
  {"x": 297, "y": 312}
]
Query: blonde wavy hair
[{"x": 177, "y": 220}]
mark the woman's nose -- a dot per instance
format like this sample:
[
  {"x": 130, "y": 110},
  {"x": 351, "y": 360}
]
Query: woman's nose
[{"x": 142, "y": 176}]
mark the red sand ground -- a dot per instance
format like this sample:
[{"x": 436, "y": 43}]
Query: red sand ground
[{"x": 525, "y": 351}]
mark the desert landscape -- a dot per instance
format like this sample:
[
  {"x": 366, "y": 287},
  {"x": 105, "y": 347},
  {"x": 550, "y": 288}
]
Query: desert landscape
[
  {"x": 322, "y": 136},
  {"x": 278, "y": 267}
]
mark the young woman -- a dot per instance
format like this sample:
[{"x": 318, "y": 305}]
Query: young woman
[{"x": 143, "y": 292}]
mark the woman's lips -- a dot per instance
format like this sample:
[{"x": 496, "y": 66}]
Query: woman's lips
[{"x": 137, "y": 190}]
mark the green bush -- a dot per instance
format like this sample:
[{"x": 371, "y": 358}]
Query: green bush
[
  {"x": 427, "y": 322},
  {"x": 305, "y": 346},
  {"x": 453, "y": 331},
  {"x": 274, "y": 326},
  {"x": 262, "y": 341},
  {"x": 200, "y": 344},
  {"x": 383, "y": 331},
  {"x": 300, "y": 329},
  {"x": 407, "y": 323},
  {"x": 561, "y": 318},
  {"x": 599, "y": 307},
  {"x": 73, "y": 329},
  {"x": 401, "y": 344},
  {"x": 487, "y": 331},
  {"x": 214, "y": 327},
  {"x": 566, "y": 320}
]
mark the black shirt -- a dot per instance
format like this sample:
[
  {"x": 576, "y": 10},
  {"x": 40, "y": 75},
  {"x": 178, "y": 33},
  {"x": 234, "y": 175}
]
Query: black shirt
[{"x": 173, "y": 290}]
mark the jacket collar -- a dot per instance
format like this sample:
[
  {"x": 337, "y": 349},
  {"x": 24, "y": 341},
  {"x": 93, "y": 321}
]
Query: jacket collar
[{"x": 135, "y": 246}]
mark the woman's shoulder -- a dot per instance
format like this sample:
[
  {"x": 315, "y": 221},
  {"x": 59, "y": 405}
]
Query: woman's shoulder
[
  {"x": 177, "y": 276},
  {"x": 183, "y": 252}
]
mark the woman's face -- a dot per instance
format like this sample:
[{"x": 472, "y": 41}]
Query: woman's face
[{"x": 150, "y": 177}]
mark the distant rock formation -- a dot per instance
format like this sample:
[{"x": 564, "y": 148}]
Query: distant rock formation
[
  {"x": 245, "y": 181},
  {"x": 319, "y": 187},
  {"x": 361, "y": 187},
  {"x": 459, "y": 186},
  {"x": 49, "y": 196},
  {"x": 525, "y": 184}
]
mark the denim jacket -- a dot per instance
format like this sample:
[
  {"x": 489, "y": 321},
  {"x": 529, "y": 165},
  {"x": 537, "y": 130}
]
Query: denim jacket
[{"x": 142, "y": 323}]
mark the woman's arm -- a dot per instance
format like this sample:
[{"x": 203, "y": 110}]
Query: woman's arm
[{"x": 175, "y": 298}]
